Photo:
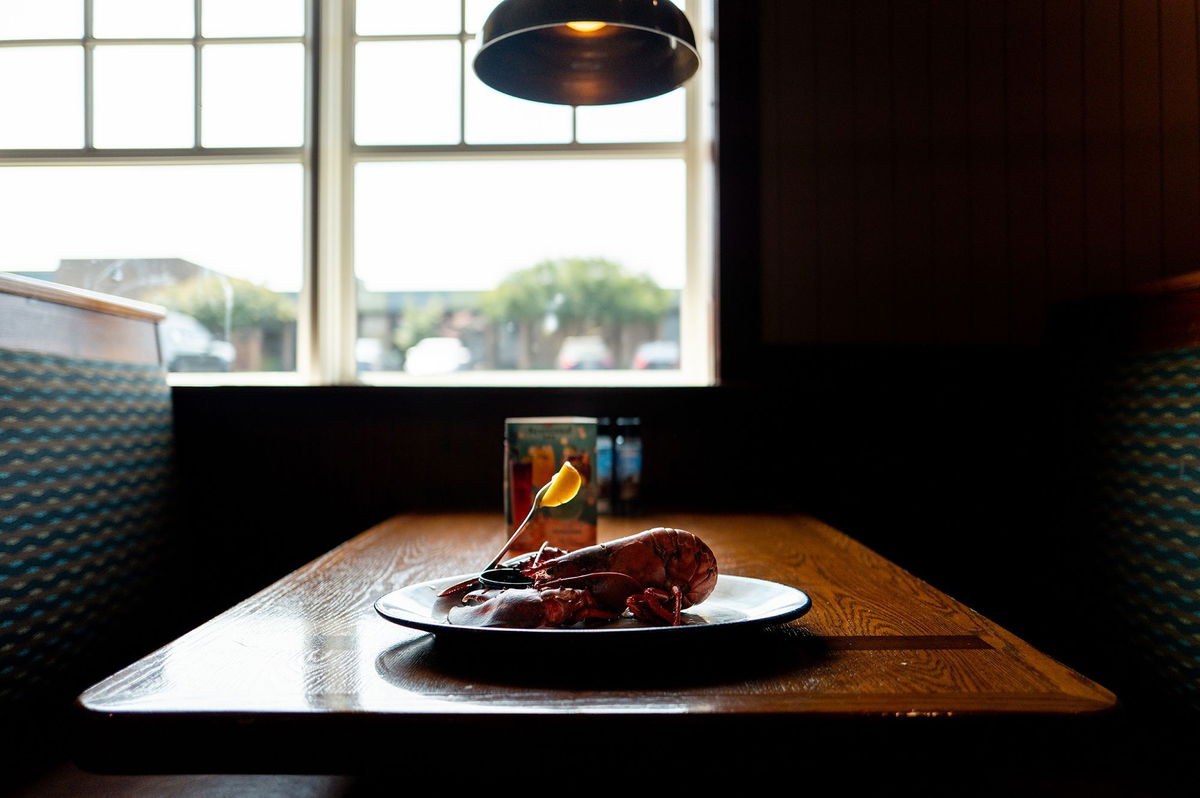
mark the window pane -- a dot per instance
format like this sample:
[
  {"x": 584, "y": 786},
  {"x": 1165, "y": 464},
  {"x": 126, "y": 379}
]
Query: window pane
[
  {"x": 529, "y": 264},
  {"x": 497, "y": 118},
  {"x": 381, "y": 17},
  {"x": 144, "y": 96},
  {"x": 407, "y": 93},
  {"x": 41, "y": 19},
  {"x": 138, "y": 19},
  {"x": 253, "y": 17},
  {"x": 220, "y": 246},
  {"x": 41, "y": 92},
  {"x": 253, "y": 95},
  {"x": 660, "y": 118}
]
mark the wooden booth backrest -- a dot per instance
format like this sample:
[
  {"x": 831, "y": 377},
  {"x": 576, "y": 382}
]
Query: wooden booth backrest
[
  {"x": 85, "y": 447},
  {"x": 1144, "y": 447}
]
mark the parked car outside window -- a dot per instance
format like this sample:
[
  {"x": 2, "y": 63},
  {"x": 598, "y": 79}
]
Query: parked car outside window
[
  {"x": 657, "y": 355},
  {"x": 436, "y": 356},
  {"x": 584, "y": 352},
  {"x": 187, "y": 345}
]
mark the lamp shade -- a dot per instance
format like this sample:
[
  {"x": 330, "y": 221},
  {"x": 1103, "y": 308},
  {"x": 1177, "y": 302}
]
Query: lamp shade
[{"x": 586, "y": 52}]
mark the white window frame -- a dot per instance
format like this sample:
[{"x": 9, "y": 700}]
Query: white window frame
[{"x": 327, "y": 315}]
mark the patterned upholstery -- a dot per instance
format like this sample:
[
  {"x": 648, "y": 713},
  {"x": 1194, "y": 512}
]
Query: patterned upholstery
[
  {"x": 1149, "y": 451},
  {"x": 84, "y": 474}
]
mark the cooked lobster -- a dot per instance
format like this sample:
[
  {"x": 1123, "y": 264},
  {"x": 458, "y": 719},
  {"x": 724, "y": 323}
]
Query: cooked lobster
[{"x": 655, "y": 575}]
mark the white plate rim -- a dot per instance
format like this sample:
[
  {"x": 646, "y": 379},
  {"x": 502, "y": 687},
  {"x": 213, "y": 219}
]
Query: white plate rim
[{"x": 386, "y": 607}]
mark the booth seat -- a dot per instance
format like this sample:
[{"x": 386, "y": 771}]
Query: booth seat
[
  {"x": 1135, "y": 414},
  {"x": 85, "y": 474},
  {"x": 86, "y": 547},
  {"x": 1149, "y": 510}
]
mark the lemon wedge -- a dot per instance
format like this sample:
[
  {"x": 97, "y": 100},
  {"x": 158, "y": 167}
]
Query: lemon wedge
[{"x": 563, "y": 487}]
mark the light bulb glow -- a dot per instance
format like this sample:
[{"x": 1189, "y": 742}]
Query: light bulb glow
[{"x": 586, "y": 26}]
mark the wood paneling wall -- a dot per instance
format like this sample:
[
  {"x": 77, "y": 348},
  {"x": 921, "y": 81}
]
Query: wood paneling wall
[{"x": 942, "y": 171}]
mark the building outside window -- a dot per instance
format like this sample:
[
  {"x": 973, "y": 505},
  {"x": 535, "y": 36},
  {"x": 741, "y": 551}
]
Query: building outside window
[{"x": 324, "y": 192}]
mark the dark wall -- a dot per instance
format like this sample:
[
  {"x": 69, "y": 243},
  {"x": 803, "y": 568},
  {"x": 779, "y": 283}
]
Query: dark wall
[
  {"x": 943, "y": 172},
  {"x": 922, "y": 457}
]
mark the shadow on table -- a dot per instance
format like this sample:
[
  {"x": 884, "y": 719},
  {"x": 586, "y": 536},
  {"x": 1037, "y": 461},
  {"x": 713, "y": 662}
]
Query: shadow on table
[
  {"x": 440, "y": 666},
  {"x": 982, "y": 755}
]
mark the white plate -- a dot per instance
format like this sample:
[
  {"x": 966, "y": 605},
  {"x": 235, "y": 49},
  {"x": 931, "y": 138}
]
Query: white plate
[{"x": 736, "y": 602}]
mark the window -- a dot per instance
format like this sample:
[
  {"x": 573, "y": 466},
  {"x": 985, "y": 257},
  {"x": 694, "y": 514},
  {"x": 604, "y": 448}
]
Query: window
[{"x": 324, "y": 192}]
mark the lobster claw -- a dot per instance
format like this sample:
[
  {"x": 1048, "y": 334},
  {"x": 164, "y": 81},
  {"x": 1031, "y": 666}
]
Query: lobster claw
[
  {"x": 509, "y": 608},
  {"x": 461, "y": 587},
  {"x": 526, "y": 608}
]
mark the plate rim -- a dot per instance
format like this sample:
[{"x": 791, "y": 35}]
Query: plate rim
[{"x": 803, "y": 605}]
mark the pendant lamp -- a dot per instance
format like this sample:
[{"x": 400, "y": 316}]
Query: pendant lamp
[{"x": 586, "y": 52}]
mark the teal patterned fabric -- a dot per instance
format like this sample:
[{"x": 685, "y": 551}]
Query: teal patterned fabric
[
  {"x": 1150, "y": 450},
  {"x": 84, "y": 471}
]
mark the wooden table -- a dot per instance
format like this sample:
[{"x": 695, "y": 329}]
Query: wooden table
[{"x": 305, "y": 675}]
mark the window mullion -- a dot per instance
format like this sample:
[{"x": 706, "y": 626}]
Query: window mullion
[
  {"x": 697, "y": 309},
  {"x": 462, "y": 71},
  {"x": 306, "y": 346},
  {"x": 88, "y": 76},
  {"x": 197, "y": 75},
  {"x": 334, "y": 321}
]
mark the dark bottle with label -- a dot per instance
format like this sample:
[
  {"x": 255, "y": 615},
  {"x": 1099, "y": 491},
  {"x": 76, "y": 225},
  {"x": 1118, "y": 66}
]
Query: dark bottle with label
[
  {"x": 627, "y": 481},
  {"x": 604, "y": 466}
]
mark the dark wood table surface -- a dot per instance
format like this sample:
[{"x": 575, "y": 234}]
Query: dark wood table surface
[{"x": 304, "y": 672}]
